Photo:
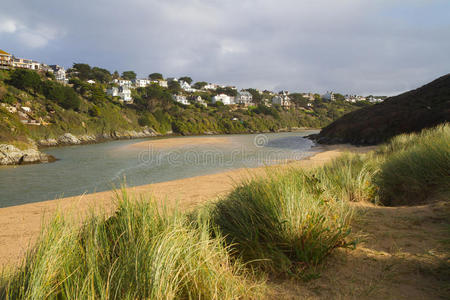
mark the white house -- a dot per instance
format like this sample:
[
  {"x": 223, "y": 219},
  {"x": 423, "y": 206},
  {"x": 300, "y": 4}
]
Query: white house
[
  {"x": 373, "y": 99},
  {"x": 123, "y": 82},
  {"x": 113, "y": 91},
  {"x": 5, "y": 59},
  {"x": 141, "y": 82},
  {"x": 200, "y": 101},
  {"x": 244, "y": 98},
  {"x": 328, "y": 96},
  {"x": 90, "y": 81},
  {"x": 181, "y": 99},
  {"x": 163, "y": 83},
  {"x": 186, "y": 86},
  {"x": 225, "y": 99},
  {"x": 25, "y": 63},
  {"x": 210, "y": 86},
  {"x": 59, "y": 72},
  {"x": 282, "y": 99},
  {"x": 125, "y": 94}
]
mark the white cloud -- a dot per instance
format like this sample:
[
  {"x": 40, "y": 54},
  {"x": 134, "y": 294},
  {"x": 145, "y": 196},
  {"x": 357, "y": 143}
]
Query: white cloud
[{"x": 7, "y": 26}]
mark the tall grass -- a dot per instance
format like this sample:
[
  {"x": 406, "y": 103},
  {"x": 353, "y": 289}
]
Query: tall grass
[
  {"x": 140, "y": 252},
  {"x": 282, "y": 223},
  {"x": 416, "y": 167}
]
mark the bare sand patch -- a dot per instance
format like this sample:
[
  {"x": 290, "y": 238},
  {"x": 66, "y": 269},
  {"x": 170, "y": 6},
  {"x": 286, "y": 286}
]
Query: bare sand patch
[{"x": 180, "y": 142}]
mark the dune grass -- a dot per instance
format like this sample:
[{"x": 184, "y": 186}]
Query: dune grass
[
  {"x": 416, "y": 167},
  {"x": 140, "y": 252}
]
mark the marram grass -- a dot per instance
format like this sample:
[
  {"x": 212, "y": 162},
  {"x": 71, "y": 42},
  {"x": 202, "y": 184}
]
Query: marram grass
[{"x": 141, "y": 252}]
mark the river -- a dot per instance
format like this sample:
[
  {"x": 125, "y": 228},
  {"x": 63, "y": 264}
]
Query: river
[{"x": 99, "y": 167}]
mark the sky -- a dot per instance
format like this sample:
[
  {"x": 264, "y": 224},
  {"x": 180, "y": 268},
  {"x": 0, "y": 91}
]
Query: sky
[{"x": 379, "y": 47}]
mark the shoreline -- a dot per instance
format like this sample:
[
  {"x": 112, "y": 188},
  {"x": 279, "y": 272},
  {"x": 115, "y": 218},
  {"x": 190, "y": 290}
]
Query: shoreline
[{"x": 21, "y": 224}]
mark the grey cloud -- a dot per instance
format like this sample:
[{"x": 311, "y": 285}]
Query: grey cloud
[{"x": 379, "y": 47}]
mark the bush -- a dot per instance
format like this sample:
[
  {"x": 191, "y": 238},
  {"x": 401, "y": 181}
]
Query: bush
[
  {"x": 25, "y": 79},
  {"x": 141, "y": 252}
]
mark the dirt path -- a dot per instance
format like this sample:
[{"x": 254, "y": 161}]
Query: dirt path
[{"x": 404, "y": 254}]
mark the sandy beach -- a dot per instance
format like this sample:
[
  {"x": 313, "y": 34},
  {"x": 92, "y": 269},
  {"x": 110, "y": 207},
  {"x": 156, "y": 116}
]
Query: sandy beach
[
  {"x": 180, "y": 142},
  {"x": 21, "y": 224}
]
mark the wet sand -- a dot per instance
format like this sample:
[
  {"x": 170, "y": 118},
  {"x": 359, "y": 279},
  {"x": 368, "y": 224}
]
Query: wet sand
[
  {"x": 20, "y": 225},
  {"x": 180, "y": 142}
]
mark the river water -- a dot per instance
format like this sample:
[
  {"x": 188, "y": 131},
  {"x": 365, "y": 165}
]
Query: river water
[{"x": 100, "y": 167}]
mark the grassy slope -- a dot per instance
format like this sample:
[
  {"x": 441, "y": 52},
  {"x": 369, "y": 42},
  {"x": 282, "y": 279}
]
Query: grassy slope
[{"x": 412, "y": 111}]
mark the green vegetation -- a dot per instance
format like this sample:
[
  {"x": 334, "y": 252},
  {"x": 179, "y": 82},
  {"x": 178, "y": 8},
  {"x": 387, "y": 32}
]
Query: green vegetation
[
  {"x": 283, "y": 223},
  {"x": 85, "y": 109}
]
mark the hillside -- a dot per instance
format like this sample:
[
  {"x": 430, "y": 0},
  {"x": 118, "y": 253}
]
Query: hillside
[
  {"x": 36, "y": 109},
  {"x": 412, "y": 111}
]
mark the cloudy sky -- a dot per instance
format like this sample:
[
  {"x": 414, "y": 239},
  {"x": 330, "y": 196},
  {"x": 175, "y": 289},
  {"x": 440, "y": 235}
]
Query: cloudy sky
[{"x": 348, "y": 46}]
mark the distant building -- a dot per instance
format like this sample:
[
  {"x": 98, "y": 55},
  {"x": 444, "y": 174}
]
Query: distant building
[
  {"x": 244, "y": 98},
  {"x": 59, "y": 72},
  {"x": 210, "y": 86},
  {"x": 181, "y": 99},
  {"x": 90, "y": 81},
  {"x": 113, "y": 91},
  {"x": 225, "y": 99},
  {"x": 354, "y": 98},
  {"x": 125, "y": 94},
  {"x": 328, "y": 96},
  {"x": 122, "y": 82},
  {"x": 141, "y": 82},
  {"x": 200, "y": 101},
  {"x": 25, "y": 63},
  {"x": 5, "y": 60},
  {"x": 187, "y": 87},
  {"x": 163, "y": 83},
  {"x": 373, "y": 99},
  {"x": 282, "y": 99}
]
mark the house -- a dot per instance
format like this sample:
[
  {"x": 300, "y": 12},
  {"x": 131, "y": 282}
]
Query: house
[
  {"x": 90, "y": 81},
  {"x": 245, "y": 98},
  {"x": 122, "y": 82},
  {"x": 181, "y": 99},
  {"x": 25, "y": 63},
  {"x": 282, "y": 99},
  {"x": 125, "y": 94},
  {"x": 26, "y": 109},
  {"x": 141, "y": 82},
  {"x": 5, "y": 60},
  {"x": 187, "y": 87},
  {"x": 59, "y": 72},
  {"x": 210, "y": 86},
  {"x": 113, "y": 91},
  {"x": 328, "y": 96},
  {"x": 308, "y": 96},
  {"x": 225, "y": 99},
  {"x": 200, "y": 101},
  {"x": 163, "y": 83}
]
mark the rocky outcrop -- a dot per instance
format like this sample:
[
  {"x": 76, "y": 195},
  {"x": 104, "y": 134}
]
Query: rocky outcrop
[
  {"x": 70, "y": 139},
  {"x": 10, "y": 155}
]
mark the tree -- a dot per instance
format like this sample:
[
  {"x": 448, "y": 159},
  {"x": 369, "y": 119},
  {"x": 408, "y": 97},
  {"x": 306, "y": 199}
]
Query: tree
[
  {"x": 227, "y": 91},
  {"x": 116, "y": 75},
  {"x": 199, "y": 85},
  {"x": 100, "y": 75},
  {"x": 255, "y": 95},
  {"x": 174, "y": 86},
  {"x": 83, "y": 71},
  {"x": 128, "y": 75},
  {"x": 156, "y": 76},
  {"x": 26, "y": 79},
  {"x": 186, "y": 79}
]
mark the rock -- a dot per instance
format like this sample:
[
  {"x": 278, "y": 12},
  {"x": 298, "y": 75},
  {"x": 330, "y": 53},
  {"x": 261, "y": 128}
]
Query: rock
[
  {"x": 10, "y": 155},
  {"x": 68, "y": 138},
  {"x": 48, "y": 142}
]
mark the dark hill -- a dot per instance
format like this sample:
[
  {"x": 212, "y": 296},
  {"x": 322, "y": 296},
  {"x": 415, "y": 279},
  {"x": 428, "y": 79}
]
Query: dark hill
[{"x": 412, "y": 111}]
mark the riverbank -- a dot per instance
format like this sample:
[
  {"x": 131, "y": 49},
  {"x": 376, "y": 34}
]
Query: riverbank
[{"x": 21, "y": 224}]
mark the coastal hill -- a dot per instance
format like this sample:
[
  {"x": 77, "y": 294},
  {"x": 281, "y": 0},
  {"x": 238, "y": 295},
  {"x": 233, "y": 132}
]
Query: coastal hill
[{"x": 412, "y": 111}]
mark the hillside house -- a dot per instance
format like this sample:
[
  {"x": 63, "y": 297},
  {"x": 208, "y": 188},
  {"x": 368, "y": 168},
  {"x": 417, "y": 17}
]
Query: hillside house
[
  {"x": 181, "y": 99},
  {"x": 329, "y": 96},
  {"x": 225, "y": 99},
  {"x": 282, "y": 99},
  {"x": 200, "y": 101},
  {"x": 59, "y": 72},
  {"x": 5, "y": 60},
  {"x": 125, "y": 94},
  {"x": 141, "y": 82},
  {"x": 113, "y": 91},
  {"x": 244, "y": 98}
]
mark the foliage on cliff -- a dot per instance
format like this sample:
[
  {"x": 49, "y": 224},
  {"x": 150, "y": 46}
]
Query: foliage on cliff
[{"x": 82, "y": 108}]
